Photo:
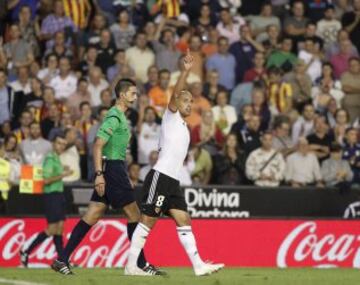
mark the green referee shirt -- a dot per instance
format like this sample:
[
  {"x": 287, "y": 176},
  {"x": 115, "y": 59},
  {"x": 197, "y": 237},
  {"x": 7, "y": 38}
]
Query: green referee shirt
[
  {"x": 115, "y": 131},
  {"x": 52, "y": 167}
]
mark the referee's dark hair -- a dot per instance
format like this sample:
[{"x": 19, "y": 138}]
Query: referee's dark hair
[{"x": 123, "y": 85}]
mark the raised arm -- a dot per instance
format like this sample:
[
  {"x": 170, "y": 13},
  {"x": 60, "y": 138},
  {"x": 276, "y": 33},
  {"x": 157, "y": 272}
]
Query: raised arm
[{"x": 181, "y": 82}]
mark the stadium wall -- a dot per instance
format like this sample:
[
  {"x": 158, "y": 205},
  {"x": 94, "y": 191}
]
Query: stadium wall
[{"x": 247, "y": 243}]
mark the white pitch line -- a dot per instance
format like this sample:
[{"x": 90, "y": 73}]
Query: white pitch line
[{"x": 18, "y": 282}]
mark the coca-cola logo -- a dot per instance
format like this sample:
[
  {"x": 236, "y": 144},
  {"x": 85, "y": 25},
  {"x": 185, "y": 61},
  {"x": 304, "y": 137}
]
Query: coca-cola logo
[
  {"x": 305, "y": 246},
  {"x": 106, "y": 245}
]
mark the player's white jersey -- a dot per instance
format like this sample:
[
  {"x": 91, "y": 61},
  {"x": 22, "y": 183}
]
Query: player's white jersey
[{"x": 173, "y": 144}]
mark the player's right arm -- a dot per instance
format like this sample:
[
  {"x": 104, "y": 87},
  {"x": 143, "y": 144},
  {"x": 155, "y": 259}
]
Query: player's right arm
[{"x": 181, "y": 82}]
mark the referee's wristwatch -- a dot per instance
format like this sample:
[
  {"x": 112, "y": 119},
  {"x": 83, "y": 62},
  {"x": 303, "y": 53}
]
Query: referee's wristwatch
[{"x": 99, "y": 173}]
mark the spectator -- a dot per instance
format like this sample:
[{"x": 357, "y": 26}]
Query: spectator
[
  {"x": 260, "y": 107},
  {"x": 17, "y": 51},
  {"x": 350, "y": 81},
  {"x": 295, "y": 25},
  {"x": 335, "y": 170},
  {"x": 134, "y": 172},
  {"x": 242, "y": 120},
  {"x": 123, "y": 31},
  {"x": 34, "y": 149},
  {"x": 340, "y": 123},
  {"x": 265, "y": 166},
  {"x": 324, "y": 93},
  {"x": 249, "y": 138},
  {"x": 340, "y": 61},
  {"x": 334, "y": 48},
  {"x": 12, "y": 152},
  {"x": 55, "y": 22},
  {"x": 351, "y": 153},
  {"x": 212, "y": 87},
  {"x": 281, "y": 139},
  {"x": 200, "y": 105},
  {"x": 302, "y": 167},
  {"x": 81, "y": 94},
  {"x": 301, "y": 85},
  {"x": 35, "y": 98},
  {"x": 205, "y": 21},
  {"x": 310, "y": 33},
  {"x": 5, "y": 97},
  {"x": 304, "y": 125},
  {"x": 153, "y": 78},
  {"x": 311, "y": 59},
  {"x": 29, "y": 29},
  {"x": 224, "y": 114},
  {"x": 283, "y": 58},
  {"x": 258, "y": 72},
  {"x": 272, "y": 42},
  {"x": 22, "y": 83},
  {"x": 244, "y": 51},
  {"x": 229, "y": 26},
  {"x": 65, "y": 123},
  {"x": 140, "y": 57},
  {"x": 105, "y": 51},
  {"x": 201, "y": 174},
  {"x": 148, "y": 134},
  {"x": 259, "y": 23},
  {"x": 49, "y": 99},
  {"x": 224, "y": 63},
  {"x": 90, "y": 60},
  {"x": 209, "y": 47},
  {"x": 51, "y": 121},
  {"x": 106, "y": 101},
  {"x": 229, "y": 163},
  {"x": 159, "y": 95},
  {"x": 320, "y": 141},
  {"x": 280, "y": 92},
  {"x": 23, "y": 131},
  {"x": 341, "y": 7},
  {"x": 328, "y": 27},
  {"x": 70, "y": 157},
  {"x": 195, "y": 50},
  {"x": 207, "y": 134},
  {"x": 119, "y": 67},
  {"x": 327, "y": 74},
  {"x": 59, "y": 48},
  {"x": 351, "y": 23},
  {"x": 50, "y": 71},
  {"x": 153, "y": 157},
  {"x": 166, "y": 54},
  {"x": 96, "y": 84},
  {"x": 65, "y": 83}
]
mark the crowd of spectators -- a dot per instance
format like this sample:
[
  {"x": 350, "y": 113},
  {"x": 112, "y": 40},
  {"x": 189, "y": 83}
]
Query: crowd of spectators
[{"x": 275, "y": 85}]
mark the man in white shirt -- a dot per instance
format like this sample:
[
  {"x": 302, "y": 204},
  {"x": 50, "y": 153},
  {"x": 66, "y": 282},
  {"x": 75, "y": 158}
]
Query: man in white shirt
[
  {"x": 304, "y": 125},
  {"x": 65, "y": 83},
  {"x": 22, "y": 84},
  {"x": 229, "y": 26},
  {"x": 328, "y": 27},
  {"x": 265, "y": 166},
  {"x": 96, "y": 85},
  {"x": 302, "y": 167},
  {"x": 311, "y": 59},
  {"x": 140, "y": 57}
]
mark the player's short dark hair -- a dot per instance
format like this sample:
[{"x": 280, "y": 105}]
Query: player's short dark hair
[{"x": 123, "y": 85}]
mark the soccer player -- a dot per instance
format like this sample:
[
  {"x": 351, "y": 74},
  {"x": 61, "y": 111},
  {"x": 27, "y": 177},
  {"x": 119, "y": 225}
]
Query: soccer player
[
  {"x": 112, "y": 184},
  {"x": 53, "y": 173},
  {"x": 161, "y": 190}
]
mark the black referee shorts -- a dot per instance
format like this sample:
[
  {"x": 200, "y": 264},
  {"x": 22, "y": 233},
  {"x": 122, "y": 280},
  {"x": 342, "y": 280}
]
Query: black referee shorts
[
  {"x": 161, "y": 193},
  {"x": 54, "y": 204},
  {"x": 118, "y": 190}
]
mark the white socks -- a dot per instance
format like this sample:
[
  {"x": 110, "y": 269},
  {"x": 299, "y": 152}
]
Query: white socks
[
  {"x": 187, "y": 240},
  {"x": 137, "y": 243}
]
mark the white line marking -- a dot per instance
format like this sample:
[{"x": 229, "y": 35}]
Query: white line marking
[{"x": 18, "y": 282}]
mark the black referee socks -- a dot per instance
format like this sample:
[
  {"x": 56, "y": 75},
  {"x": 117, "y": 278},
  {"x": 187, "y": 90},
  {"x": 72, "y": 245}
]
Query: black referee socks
[
  {"x": 37, "y": 241},
  {"x": 76, "y": 237},
  {"x": 141, "y": 262},
  {"x": 58, "y": 241}
]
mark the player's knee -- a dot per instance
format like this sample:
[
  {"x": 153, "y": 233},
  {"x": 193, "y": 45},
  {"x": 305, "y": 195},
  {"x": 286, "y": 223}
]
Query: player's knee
[
  {"x": 183, "y": 221},
  {"x": 148, "y": 221}
]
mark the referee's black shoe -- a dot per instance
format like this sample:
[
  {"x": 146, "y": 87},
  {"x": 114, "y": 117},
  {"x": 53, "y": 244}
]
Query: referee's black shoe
[
  {"x": 61, "y": 267},
  {"x": 153, "y": 270}
]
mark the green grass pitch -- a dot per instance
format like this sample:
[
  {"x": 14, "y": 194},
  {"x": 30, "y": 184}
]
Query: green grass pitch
[{"x": 231, "y": 276}]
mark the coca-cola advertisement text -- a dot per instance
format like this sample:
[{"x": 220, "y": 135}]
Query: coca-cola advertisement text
[{"x": 250, "y": 243}]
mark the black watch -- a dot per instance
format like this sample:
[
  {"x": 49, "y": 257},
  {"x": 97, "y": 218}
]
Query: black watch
[{"x": 99, "y": 173}]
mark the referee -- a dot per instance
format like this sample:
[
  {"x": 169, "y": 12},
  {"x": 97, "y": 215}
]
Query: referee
[
  {"x": 112, "y": 184},
  {"x": 53, "y": 173}
]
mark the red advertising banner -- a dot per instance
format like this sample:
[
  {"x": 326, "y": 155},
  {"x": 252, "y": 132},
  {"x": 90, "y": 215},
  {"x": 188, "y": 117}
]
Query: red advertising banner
[{"x": 253, "y": 243}]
